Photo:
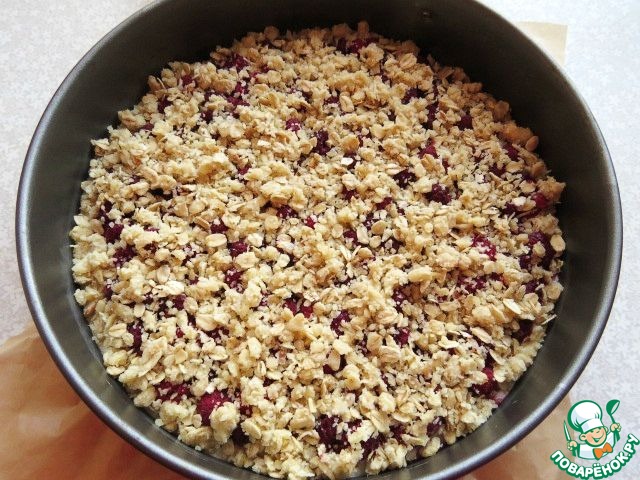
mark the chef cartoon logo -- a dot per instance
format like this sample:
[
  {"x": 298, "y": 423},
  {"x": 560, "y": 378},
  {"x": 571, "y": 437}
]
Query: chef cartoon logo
[
  {"x": 594, "y": 441},
  {"x": 585, "y": 417}
]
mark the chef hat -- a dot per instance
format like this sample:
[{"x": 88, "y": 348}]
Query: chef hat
[{"x": 585, "y": 415}]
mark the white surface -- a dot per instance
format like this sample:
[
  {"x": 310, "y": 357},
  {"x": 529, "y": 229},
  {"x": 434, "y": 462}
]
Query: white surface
[{"x": 41, "y": 41}]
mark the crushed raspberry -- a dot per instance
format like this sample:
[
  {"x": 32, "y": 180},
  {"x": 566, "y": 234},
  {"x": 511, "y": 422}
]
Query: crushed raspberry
[
  {"x": 393, "y": 244},
  {"x": 532, "y": 286},
  {"x": 327, "y": 428},
  {"x": 310, "y": 222},
  {"x": 123, "y": 254},
  {"x": 163, "y": 104},
  {"x": 399, "y": 298},
  {"x": 341, "y": 46},
  {"x": 135, "y": 329},
  {"x": 362, "y": 345},
  {"x": 397, "y": 431},
  {"x": 293, "y": 124},
  {"x": 163, "y": 307},
  {"x": 496, "y": 277},
  {"x": 371, "y": 445},
  {"x": 512, "y": 152},
  {"x": 369, "y": 221},
  {"x": 472, "y": 284},
  {"x": 158, "y": 192},
  {"x": 361, "y": 136},
  {"x": 431, "y": 116},
  {"x": 402, "y": 336},
  {"x": 322, "y": 138},
  {"x": 439, "y": 193},
  {"x": 306, "y": 310},
  {"x": 384, "y": 203},
  {"x": 108, "y": 290},
  {"x": 292, "y": 305},
  {"x": 435, "y": 427},
  {"x": 358, "y": 44},
  {"x": 349, "y": 194},
  {"x": 167, "y": 391},
  {"x": 103, "y": 212},
  {"x": 147, "y": 127},
  {"x": 525, "y": 261},
  {"x": 187, "y": 80},
  {"x": 336, "y": 323},
  {"x": 236, "y": 101},
  {"x": 178, "y": 301},
  {"x": 239, "y": 437},
  {"x": 498, "y": 171},
  {"x": 265, "y": 69},
  {"x": 242, "y": 171},
  {"x": 237, "y": 248},
  {"x": 332, "y": 100},
  {"x": 411, "y": 94},
  {"x": 484, "y": 245},
  {"x": 350, "y": 235},
  {"x": 236, "y": 61},
  {"x": 488, "y": 387},
  {"x": 217, "y": 333},
  {"x": 246, "y": 410},
  {"x": 208, "y": 94},
  {"x": 210, "y": 402},
  {"x": 218, "y": 227},
  {"x": 286, "y": 211},
  {"x": 509, "y": 209},
  {"x": 241, "y": 88},
  {"x": 179, "y": 333},
  {"x": 539, "y": 237},
  {"x": 330, "y": 371},
  {"x": 190, "y": 253},
  {"x": 465, "y": 123},
  {"x": 233, "y": 278},
  {"x": 526, "y": 327},
  {"x": 542, "y": 202},
  {"x": 430, "y": 150},
  {"x": 354, "y": 425},
  {"x": 404, "y": 178},
  {"x": 526, "y": 176},
  {"x": 206, "y": 115}
]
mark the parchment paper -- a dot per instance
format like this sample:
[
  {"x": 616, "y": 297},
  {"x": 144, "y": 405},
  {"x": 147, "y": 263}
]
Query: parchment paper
[{"x": 49, "y": 433}]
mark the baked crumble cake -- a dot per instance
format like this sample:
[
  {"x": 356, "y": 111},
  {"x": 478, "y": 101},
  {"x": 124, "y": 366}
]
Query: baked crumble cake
[{"x": 317, "y": 252}]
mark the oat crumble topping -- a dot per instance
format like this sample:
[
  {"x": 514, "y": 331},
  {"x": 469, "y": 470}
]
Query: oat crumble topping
[{"x": 318, "y": 252}]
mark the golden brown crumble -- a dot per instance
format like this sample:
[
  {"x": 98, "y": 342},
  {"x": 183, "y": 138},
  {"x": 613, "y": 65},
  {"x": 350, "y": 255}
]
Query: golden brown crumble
[{"x": 318, "y": 252}]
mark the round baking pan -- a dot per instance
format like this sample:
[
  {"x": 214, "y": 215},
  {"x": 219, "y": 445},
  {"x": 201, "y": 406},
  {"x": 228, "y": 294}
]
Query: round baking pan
[{"x": 112, "y": 76}]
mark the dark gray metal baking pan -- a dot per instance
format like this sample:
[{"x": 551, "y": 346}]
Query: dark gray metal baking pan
[{"x": 112, "y": 76}]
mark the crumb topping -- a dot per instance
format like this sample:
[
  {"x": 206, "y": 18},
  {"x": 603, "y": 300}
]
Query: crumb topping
[{"x": 318, "y": 253}]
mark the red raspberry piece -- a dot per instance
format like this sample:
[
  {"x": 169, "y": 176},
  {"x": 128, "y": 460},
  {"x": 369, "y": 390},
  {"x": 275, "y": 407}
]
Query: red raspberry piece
[{"x": 210, "y": 402}]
